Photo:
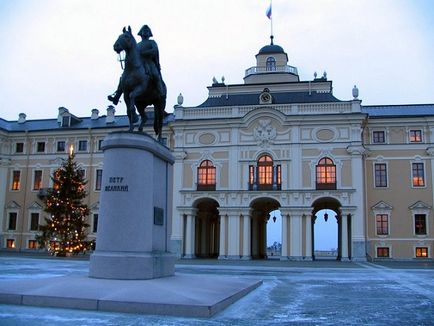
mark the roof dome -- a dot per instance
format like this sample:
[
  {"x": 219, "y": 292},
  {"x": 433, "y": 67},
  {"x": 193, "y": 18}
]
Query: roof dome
[{"x": 272, "y": 48}]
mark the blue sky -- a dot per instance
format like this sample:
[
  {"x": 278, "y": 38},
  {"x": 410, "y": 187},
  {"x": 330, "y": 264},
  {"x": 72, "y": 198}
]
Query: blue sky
[{"x": 59, "y": 53}]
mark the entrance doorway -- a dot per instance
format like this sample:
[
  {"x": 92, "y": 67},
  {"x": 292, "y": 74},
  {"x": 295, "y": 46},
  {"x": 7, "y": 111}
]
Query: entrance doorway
[
  {"x": 326, "y": 229},
  {"x": 207, "y": 229},
  {"x": 261, "y": 209},
  {"x": 274, "y": 235},
  {"x": 325, "y": 234}
]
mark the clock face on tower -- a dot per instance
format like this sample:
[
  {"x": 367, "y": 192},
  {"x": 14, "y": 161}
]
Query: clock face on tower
[{"x": 265, "y": 97}]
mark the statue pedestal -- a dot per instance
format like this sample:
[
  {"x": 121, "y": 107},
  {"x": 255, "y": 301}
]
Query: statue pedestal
[{"x": 134, "y": 222}]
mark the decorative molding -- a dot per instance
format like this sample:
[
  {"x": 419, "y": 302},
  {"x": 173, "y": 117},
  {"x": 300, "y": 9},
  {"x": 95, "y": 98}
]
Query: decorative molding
[{"x": 264, "y": 133}]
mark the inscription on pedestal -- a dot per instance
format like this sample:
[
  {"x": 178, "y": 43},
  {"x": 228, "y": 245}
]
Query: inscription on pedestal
[{"x": 116, "y": 184}]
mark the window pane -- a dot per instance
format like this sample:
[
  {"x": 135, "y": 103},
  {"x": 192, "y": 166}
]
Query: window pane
[
  {"x": 380, "y": 175},
  {"x": 37, "y": 180},
  {"x": 383, "y": 252},
  {"x": 10, "y": 243},
  {"x": 95, "y": 223},
  {"x": 415, "y": 136},
  {"x": 206, "y": 174},
  {"x": 420, "y": 224},
  {"x": 12, "y": 221},
  {"x": 40, "y": 147},
  {"x": 422, "y": 252},
  {"x": 378, "y": 137},
  {"x": 418, "y": 175},
  {"x": 382, "y": 224},
  {"x": 19, "y": 148},
  {"x": 82, "y": 145},
  {"x": 34, "y": 222},
  {"x": 98, "y": 179},
  {"x": 16, "y": 180},
  {"x": 61, "y": 146},
  {"x": 326, "y": 174}
]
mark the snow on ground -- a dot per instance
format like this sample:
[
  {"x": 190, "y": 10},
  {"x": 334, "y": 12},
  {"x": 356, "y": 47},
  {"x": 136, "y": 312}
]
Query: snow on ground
[{"x": 366, "y": 295}]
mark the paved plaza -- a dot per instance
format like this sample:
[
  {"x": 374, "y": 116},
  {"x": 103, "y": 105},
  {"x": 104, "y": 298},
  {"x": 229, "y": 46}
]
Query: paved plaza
[{"x": 312, "y": 293}]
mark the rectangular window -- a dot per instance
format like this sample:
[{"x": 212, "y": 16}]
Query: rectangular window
[
  {"x": 12, "y": 221},
  {"x": 95, "y": 223},
  {"x": 33, "y": 244},
  {"x": 98, "y": 179},
  {"x": 82, "y": 145},
  {"x": 19, "y": 148},
  {"x": 37, "y": 180},
  {"x": 380, "y": 175},
  {"x": 418, "y": 175},
  {"x": 422, "y": 252},
  {"x": 382, "y": 221},
  {"x": 16, "y": 175},
  {"x": 34, "y": 221},
  {"x": 82, "y": 172},
  {"x": 100, "y": 144},
  {"x": 65, "y": 121},
  {"x": 378, "y": 137},
  {"x": 61, "y": 146},
  {"x": 420, "y": 224},
  {"x": 40, "y": 147},
  {"x": 383, "y": 252},
  {"x": 415, "y": 136},
  {"x": 10, "y": 243}
]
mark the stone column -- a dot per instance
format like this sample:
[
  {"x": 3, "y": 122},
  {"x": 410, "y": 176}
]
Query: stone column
[
  {"x": 190, "y": 235},
  {"x": 246, "y": 237},
  {"x": 344, "y": 237},
  {"x": 285, "y": 240},
  {"x": 223, "y": 237},
  {"x": 296, "y": 237},
  {"x": 4, "y": 165},
  {"x": 233, "y": 236},
  {"x": 178, "y": 222},
  {"x": 308, "y": 237}
]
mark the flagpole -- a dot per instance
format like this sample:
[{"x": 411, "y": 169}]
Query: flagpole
[{"x": 271, "y": 22}]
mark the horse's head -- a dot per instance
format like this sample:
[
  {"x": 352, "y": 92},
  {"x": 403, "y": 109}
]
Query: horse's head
[{"x": 125, "y": 41}]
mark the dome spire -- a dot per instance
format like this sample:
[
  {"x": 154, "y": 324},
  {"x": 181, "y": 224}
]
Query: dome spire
[{"x": 271, "y": 38}]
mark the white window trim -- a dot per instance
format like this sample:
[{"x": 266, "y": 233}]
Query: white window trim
[
  {"x": 78, "y": 145},
  {"x": 32, "y": 211},
  {"x": 66, "y": 146},
  {"x": 32, "y": 188},
  {"x": 424, "y": 174},
  {"x": 11, "y": 178},
  {"x": 372, "y": 136},
  {"x": 385, "y": 246},
  {"x": 8, "y": 211},
  {"x": 420, "y": 212},
  {"x": 387, "y": 173},
  {"x": 388, "y": 225},
  {"x": 15, "y": 147},
  {"x": 421, "y": 135},
  {"x": 94, "y": 179},
  {"x": 422, "y": 246},
  {"x": 36, "y": 147}
]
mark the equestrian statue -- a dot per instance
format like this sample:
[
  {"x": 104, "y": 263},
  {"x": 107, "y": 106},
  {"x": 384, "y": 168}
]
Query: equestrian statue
[{"x": 141, "y": 82}]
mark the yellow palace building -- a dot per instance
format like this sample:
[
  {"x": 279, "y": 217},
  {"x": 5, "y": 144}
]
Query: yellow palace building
[{"x": 274, "y": 142}]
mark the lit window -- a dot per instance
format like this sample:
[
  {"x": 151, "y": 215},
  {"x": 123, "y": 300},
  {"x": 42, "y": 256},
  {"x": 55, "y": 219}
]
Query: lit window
[
  {"x": 61, "y": 145},
  {"x": 40, "y": 147},
  {"x": 33, "y": 244},
  {"x": 98, "y": 179},
  {"x": 380, "y": 174},
  {"x": 19, "y": 147},
  {"x": 206, "y": 176},
  {"x": 37, "y": 180},
  {"x": 382, "y": 221},
  {"x": 325, "y": 174},
  {"x": 420, "y": 224},
  {"x": 422, "y": 252},
  {"x": 415, "y": 136},
  {"x": 10, "y": 243},
  {"x": 270, "y": 64},
  {"x": 418, "y": 174},
  {"x": 16, "y": 180},
  {"x": 12, "y": 221},
  {"x": 82, "y": 145},
  {"x": 383, "y": 252},
  {"x": 378, "y": 137},
  {"x": 34, "y": 221},
  {"x": 265, "y": 171}
]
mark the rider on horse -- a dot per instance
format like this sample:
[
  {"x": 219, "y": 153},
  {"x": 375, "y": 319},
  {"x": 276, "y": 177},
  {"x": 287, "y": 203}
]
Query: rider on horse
[{"x": 149, "y": 56}]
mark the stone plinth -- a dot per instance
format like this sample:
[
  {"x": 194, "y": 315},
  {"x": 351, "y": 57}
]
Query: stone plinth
[{"x": 135, "y": 207}]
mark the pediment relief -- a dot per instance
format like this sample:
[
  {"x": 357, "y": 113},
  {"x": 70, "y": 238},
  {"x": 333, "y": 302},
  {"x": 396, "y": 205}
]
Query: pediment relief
[
  {"x": 419, "y": 205},
  {"x": 382, "y": 206},
  {"x": 13, "y": 205},
  {"x": 35, "y": 206}
]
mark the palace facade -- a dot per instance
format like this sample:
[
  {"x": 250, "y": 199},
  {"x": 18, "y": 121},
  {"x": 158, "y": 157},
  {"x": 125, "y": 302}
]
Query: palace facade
[{"x": 272, "y": 143}]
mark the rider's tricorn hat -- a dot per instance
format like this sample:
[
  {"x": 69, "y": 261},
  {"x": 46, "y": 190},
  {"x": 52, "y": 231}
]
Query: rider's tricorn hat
[{"x": 145, "y": 31}]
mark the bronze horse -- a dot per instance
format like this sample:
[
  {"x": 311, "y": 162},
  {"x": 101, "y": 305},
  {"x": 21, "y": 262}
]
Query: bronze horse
[{"x": 137, "y": 86}]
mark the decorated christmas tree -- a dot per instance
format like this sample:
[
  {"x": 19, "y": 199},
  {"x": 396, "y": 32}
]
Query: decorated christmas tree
[{"x": 64, "y": 231}]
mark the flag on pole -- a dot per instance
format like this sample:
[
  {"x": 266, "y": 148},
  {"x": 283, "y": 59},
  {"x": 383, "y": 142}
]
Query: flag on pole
[{"x": 268, "y": 13}]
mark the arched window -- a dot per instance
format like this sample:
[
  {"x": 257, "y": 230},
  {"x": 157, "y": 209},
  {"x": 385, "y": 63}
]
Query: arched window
[
  {"x": 325, "y": 174},
  {"x": 265, "y": 176},
  {"x": 270, "y": 64},
  {"x": 206, "y": 176}
]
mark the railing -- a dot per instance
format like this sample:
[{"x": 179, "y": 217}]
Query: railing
[{"x": 278, "y": 69}]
